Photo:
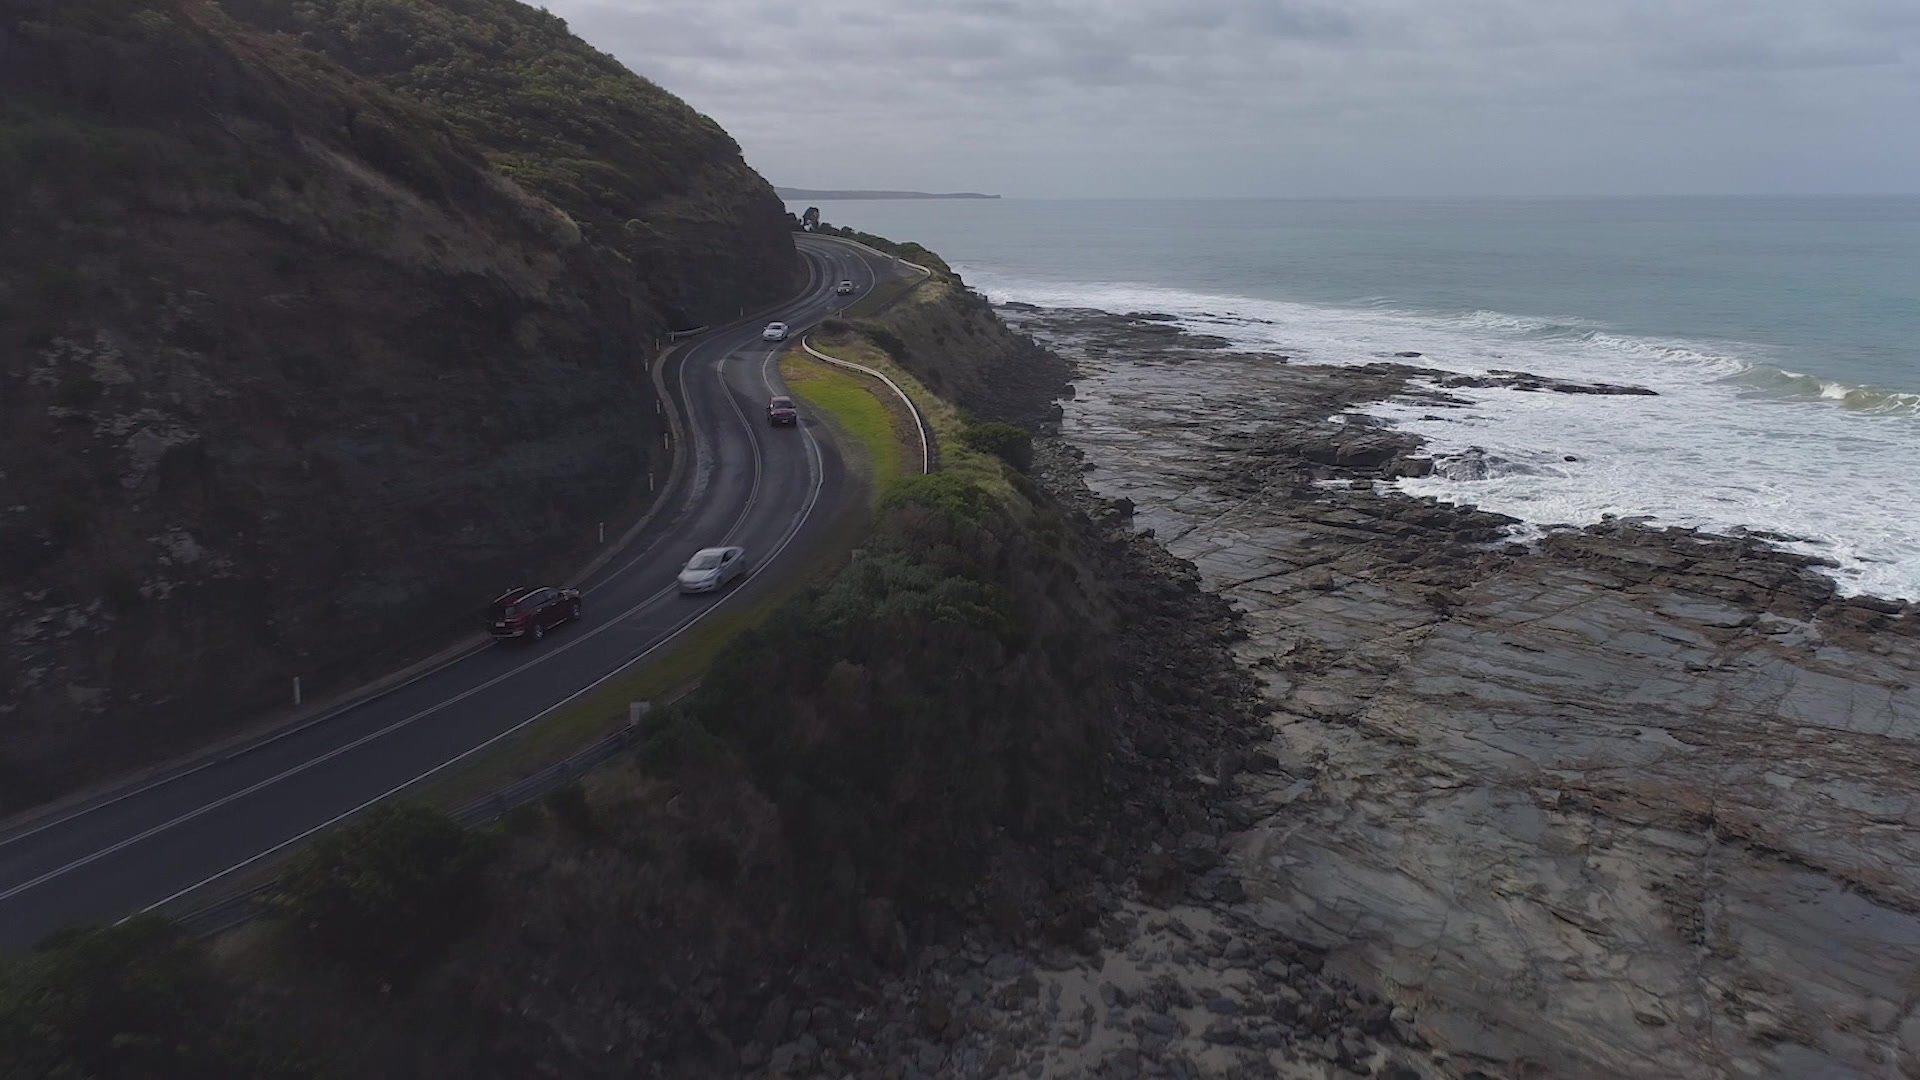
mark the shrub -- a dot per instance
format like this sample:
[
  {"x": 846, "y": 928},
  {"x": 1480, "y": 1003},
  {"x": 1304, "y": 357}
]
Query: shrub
[
  {"x": 944, "y": 493},
  {"x": 386, "y": 895},
  {"x": 139, "y": 999},
  {"x": 121, "y": 591},
  {"x": 1004, "y": 441},
  {"x": 570, "y": 807},
  {"x": 681, "y": 744},
  {"x": 57, "y": 285},
  {"x": 77, "y": 389},
  {"x": 888, "y": 341},
  {"x": 901, "y": 714},
  {"x": 713, "y": 857}
]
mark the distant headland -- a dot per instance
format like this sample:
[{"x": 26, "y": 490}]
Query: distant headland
[{"x": 811, "y": 193}]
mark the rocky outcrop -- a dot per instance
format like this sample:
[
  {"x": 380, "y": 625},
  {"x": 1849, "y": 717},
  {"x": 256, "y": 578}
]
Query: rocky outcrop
[
  {"x": 1622, "y": 802},
  {"x": 948, "y": 337},
  {"x": 294, "y": 373}
]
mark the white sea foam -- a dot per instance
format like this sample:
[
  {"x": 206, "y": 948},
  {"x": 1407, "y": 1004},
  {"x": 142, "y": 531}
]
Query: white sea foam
[{"x": 1733, "y": 440}]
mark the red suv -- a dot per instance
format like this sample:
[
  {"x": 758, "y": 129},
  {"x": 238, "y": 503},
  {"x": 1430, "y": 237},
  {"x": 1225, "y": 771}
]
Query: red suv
[
  {"x": 530, "y": 613},
  {"x": 780, "y": 412}
]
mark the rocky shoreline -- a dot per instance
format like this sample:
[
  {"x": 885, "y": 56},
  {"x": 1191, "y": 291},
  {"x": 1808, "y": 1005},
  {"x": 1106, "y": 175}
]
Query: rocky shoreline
[
  {"x": 1620, "y": 801},
  {"x": 1133, "y": 951}
]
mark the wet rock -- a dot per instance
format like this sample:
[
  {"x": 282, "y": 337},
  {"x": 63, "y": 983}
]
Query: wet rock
[
  {"x": 1161, "y": 1024},
  {"x": 793, "y": 1058},
  {"x": 1222, "y": 1033},
  {"x": 1160, "y": 879},
  {"x": 1524, "y": 754}
]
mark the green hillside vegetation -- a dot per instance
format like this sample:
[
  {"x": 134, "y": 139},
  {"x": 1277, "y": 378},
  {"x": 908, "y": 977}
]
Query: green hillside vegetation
[
  {"x": 870, "y": 743},
  {"x": 844, "y": 777},
  {"x": 624, "y": 158},
  {"x": 318, "y": 321}
]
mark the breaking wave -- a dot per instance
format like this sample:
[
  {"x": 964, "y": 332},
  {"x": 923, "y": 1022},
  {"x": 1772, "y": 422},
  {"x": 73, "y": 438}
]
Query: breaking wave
[{"x": 1734, "y": 440}]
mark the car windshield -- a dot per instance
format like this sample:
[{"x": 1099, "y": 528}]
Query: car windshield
[
  {"x": 706, "y": 560},
  {"x": 782, "y": 403},
  {"x": 776, "y": 326}
]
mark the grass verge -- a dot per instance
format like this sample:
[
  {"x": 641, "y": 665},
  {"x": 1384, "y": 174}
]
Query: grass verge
[
  {"x": 943, "y": 420},
  {"x": 866, "y": 410}
]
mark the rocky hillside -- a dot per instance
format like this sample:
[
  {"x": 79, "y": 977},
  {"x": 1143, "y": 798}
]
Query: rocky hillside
[
  {"x": 957, "y": 743},
  {"x": 318, "y": 323}
]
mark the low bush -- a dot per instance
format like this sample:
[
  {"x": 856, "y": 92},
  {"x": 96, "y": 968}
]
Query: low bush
[
  {"x": 931, "y": 697},
  {"x": 139, "y": 999},
  {"x": 942, "y": 492},
  {"x": 1005, "y": 441},
  {"x": 387, "y": 894},
  {"x": 571, "y": 808}
]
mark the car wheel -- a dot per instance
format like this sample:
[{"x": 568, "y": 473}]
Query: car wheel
[{"x": 539, "y": 631}]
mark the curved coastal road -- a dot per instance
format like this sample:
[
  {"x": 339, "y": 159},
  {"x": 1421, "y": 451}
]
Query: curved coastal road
[{"x": 773, "y": 491}]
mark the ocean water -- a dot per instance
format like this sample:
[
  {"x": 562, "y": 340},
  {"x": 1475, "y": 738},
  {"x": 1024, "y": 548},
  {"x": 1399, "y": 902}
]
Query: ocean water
[{"x": 1782, "y": 335}]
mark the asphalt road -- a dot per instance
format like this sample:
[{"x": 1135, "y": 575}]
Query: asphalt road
[{"x": 774, "y": 491}]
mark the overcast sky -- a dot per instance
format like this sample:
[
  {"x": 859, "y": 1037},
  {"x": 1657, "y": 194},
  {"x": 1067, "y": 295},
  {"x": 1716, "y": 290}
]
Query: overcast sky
[{"x": 1294, "y": 97}]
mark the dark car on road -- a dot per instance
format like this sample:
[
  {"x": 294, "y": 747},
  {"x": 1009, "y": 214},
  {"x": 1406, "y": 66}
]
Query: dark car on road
[
  {"x": 781, "y": 413},
  {"x": 530, "y": 613}
]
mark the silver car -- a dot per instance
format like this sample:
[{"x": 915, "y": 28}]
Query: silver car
[
  {"x": 712, "y": 568},
  {"x": 775, "y": 331}
]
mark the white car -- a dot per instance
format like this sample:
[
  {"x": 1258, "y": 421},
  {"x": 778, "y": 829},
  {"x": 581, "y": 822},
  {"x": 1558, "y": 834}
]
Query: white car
[
  {"x": 775, "y": 331},
  {"x": 843, "y": 288},
  {"x": 712, "y": 568}
]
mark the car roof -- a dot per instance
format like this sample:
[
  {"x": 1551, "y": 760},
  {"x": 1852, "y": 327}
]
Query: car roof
[
  {"x": 518, "y": 592},
  {"x": 712, "y": 551},
  {"x": 780, "y": 399},
  {"x": 776, "y": 324}
]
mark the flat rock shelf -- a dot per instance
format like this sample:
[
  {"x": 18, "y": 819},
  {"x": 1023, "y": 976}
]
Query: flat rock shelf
[{"x": 1621, "y": 801}]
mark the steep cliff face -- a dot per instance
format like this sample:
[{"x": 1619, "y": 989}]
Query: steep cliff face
[{"x": 294, "y": 370}]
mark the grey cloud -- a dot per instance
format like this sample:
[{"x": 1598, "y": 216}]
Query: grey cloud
[
  {"x": 1779, "y": 56},
  {"x": 1059, "y": 97}
]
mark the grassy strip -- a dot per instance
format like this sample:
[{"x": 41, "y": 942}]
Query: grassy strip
[
  {"x": 941, "y": 417},
  {"x": 855, "y": 402}
]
